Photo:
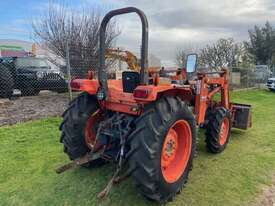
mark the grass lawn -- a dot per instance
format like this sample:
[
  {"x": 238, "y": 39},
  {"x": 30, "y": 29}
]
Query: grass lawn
[{"x": 29, "y": 153}]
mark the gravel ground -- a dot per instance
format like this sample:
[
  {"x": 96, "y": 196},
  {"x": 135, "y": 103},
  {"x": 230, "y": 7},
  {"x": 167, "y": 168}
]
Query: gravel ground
[
  {"x": 267, "y": 198},
  {"x": 23, "y": 109}
]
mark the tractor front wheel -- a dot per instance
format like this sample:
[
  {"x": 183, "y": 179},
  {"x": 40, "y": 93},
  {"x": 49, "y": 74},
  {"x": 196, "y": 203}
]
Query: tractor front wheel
[
  {"x": 162, "y": 149},
  {"x": 218, "y": 130}
]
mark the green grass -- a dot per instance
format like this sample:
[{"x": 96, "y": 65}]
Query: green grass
[{"x": 29, "y": 153}]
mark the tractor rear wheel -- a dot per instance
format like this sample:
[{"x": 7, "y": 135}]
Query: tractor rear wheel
[
  {"x": 218, "y": 130},
  {"x": 79, "y": 126},
  {"x": 162, "y": 149}
]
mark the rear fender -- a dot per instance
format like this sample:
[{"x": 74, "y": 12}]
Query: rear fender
[
  {"x": 85, "y": 85},
  {"x": 156, "y": 92}
]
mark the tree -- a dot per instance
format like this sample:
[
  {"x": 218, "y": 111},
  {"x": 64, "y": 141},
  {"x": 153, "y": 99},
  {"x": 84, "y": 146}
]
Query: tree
[
  {"x": 223, "y": 53},
  {"x": 261, "y": 44},
  {"x": 60, "y": 25},
  {"x": 180, "y": 58},
  {"x": 182, "y": 52}
]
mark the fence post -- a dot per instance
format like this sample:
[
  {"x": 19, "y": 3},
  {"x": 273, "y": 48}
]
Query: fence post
[
  {"x": 68, "y": 70},
  {"x": 247, "y": 84}
]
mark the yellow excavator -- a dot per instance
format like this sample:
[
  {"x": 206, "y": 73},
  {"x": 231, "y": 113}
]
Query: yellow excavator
[
  {"x": 128, "y": 57},
  {"x": 122, "y": 55}
]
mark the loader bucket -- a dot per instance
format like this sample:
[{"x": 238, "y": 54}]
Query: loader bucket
[{"x": 241, "y": 116}]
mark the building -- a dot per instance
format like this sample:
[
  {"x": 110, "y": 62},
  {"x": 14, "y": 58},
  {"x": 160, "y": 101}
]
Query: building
[{"x": 7, "y": 50}]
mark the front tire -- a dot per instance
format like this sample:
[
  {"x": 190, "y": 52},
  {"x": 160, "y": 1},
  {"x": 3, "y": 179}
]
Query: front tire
[
  {"x": 218, "y": 130},
  {"x": 166, "y": 120}
]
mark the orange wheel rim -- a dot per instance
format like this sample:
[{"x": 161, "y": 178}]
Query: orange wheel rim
[
  {"x": 224, "y": 131},
  {"x": 176, "y": 151},
  {"x": 89, "y": 131}
]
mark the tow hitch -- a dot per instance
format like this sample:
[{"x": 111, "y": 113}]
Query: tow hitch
[
  {"x": 122, "y": 123},
  {"x": 77, "y": 162}
]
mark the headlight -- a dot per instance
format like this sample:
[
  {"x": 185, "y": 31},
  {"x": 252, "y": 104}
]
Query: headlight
[{"x": 39, "y": 75}]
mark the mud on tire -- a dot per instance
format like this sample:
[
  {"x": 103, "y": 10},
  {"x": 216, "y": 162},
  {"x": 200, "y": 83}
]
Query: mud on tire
[{"x": 146, "y": 146}]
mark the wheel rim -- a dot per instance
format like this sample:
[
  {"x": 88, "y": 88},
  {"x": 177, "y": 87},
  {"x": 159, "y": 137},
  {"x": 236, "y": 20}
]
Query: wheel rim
[
  {"x": 176, "y": 151},
  {"x": 224, "y": 131},
  {"x": 89, "y": 131}
]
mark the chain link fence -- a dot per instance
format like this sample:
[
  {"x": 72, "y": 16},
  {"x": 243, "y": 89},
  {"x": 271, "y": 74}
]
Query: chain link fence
[
  {"x": 78, "y": 64},
  {"x": 241, "y": 78},
  {"x": 31, "y": 87}
]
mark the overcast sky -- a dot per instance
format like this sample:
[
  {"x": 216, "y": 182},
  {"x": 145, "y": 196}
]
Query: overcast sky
[{"x": 173, "y": 24}]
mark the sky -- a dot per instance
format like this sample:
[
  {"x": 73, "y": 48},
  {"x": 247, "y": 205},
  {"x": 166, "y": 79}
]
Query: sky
[{"x": 173, "y": 24}]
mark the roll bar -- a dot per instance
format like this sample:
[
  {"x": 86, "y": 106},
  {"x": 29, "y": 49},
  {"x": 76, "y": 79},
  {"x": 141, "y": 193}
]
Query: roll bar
[{"x": 102, "y": 73}]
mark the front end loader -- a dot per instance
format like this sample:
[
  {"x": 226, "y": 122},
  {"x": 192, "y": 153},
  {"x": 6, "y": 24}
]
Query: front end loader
[{"x": 146, "y": 122}]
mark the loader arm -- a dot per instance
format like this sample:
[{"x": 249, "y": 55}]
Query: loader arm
[{"x": 204, "y": 96}]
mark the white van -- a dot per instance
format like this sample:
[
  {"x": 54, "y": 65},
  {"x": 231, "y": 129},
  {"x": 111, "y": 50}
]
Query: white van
[{"x": 271, "y": 84}]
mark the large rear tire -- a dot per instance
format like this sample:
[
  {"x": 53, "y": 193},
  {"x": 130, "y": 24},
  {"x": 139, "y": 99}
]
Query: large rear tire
[
  {"x": 78, "y": 126},
  {"x": 218, "y": 130},
  {"x": 6, "y": 82},
  {"x": 162, "y": 149}
]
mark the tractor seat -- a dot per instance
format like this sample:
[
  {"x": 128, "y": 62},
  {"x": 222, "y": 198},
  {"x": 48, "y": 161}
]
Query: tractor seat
[{"x": 130, "y": 80}]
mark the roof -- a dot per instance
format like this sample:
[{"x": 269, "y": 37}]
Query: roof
[
  {"x": 25, "y": 45},
  {"x": 11, "y": 48},
  {"x": 13, "y": 53}
]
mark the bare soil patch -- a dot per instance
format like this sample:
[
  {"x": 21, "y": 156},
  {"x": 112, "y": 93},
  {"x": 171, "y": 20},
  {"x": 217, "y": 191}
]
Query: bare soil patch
[
  {"x": 23, "y": 109},
  {"x": 267, "y": 198}
]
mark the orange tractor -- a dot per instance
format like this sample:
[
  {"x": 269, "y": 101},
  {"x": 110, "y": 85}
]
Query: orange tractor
[{"x": 145, "y": 126}]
